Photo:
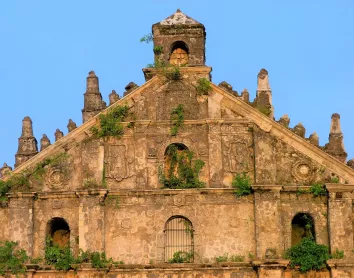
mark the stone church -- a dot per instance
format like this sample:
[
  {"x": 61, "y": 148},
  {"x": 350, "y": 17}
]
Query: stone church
[{"x": 153, "y": 174}]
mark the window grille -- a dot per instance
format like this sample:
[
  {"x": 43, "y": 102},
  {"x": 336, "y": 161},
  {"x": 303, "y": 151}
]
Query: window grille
[{"x": 178, "y": 237}]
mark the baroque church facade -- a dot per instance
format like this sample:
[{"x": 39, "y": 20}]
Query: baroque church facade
[{"x": 125, "y": 190}]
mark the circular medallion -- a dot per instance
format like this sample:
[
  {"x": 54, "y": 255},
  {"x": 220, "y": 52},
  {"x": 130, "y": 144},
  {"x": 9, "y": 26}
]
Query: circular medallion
[{"x": 302, "y": 171}]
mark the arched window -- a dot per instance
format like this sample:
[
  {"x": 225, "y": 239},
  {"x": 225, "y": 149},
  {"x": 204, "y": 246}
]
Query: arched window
[
  {"x": 58, "y": 230},
  {"x": 173, "y": 154},
  {"x": 179, "y": 54},
  {"x": 302, "y": 226},
  {"x": 179, "y": 237}
]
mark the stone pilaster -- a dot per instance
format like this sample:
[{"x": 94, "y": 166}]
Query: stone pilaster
[
  {"x": 93, "y": 103},
  {"x": 335, "y": 146},
  {"x": 340, "y": 218},
  {"x": 113, "y": 97},
  {"x": 27, "y": 143},
  {"x": 92, "y": 220},
  {"x": 215, "y": 155},
  {"x": 71, "y": 125},
  {"x": 268, "y": 220},
  {"x": 21, "y": 220}
]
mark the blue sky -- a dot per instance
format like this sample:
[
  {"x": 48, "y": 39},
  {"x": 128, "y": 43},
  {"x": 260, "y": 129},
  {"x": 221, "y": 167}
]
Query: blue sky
[{"x": 48, "y": 47}]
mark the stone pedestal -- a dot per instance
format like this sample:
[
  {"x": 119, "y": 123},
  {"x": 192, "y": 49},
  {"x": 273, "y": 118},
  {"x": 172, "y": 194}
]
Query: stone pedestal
[
  {"x": 268, "y": 221},
  {"x": 21, "y": 219},
  {"x": 270, "y": 268},
  {"x": 341, "y": 268},
  {"x": 340, "y": 218},
  {"x": 92, "y": 220}
]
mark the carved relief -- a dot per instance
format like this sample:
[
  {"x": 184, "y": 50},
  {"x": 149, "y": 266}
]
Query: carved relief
[
  {"x": 152, "y": 153},
  {"x": 237, "y": 156},
  {"x": 179, "y": 200},
  {"x": 118, "y": 164},
  {"x": 302, "y": 171}
]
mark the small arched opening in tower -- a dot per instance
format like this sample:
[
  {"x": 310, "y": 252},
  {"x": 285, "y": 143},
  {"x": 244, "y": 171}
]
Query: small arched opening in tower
[
  {"x": 179, "y": 54},
  {"x": 58, "y": 230},
  {"x": 302, "y": 226}
]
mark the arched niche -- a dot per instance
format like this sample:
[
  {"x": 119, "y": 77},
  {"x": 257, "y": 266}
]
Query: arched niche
[
  {"x": 58, "y": 230},
  {"x": 302, "y": 226}
]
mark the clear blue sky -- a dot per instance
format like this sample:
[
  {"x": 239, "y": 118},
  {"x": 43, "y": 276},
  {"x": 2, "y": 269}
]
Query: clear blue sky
[{"x": 48, "y": 47}]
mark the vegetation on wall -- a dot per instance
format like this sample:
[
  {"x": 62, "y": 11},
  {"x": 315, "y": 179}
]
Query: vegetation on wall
[
  {"x": 227, "y": 258},
  {"x": 111, "y": 122},
  {"x": 177, "y": 119},
  {"x": 21, "y": 181},
  {"x": 318, "y": 189},
  {"x": 308, "y": 255},
  {"x": 12, "y": 258},
  {"x": 63, "y": 259},
  {"x": 158, "y": 49},
  {"x": 204, "y": 86},
  {"x": 181, "y": 257},
  {"x": 242, "y": 184},
  {"x": 183, "y": 172},
  {"x": 147, "y": 38}
]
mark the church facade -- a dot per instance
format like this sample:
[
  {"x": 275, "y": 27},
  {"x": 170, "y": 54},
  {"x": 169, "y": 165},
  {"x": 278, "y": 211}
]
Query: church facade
[{"x": 158, "y": 173}]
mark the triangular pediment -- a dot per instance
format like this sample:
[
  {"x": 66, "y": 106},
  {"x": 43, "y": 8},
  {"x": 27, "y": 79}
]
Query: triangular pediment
[{"x": 221, "y": 113}]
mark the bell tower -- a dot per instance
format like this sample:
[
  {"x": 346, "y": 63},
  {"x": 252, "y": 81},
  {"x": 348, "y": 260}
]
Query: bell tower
[{"x": 179, "y": 40}]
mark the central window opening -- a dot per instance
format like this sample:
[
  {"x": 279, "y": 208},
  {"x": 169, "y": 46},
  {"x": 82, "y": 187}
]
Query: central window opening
[{"x": 179, "y": 54}]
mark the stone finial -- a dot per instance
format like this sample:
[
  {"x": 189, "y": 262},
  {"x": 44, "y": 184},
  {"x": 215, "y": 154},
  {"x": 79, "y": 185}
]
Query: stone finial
[
  {"x": 263, "y": 100},
  {"x": 226, "y": 86},
  {"x": 113, "y": 97},
  {"x": 300, "y": 130},
  {"x": 93, "y": 103},
  {"x": 71, "y": 125},
  {"x": 27, "y": 143},
  {"x": 263, "y": 82},
  {"x": 58, "y": 134},
  {"x": 335, "y": 124},
  {"x": 314, "y": 139},
  {"x": 284, "y": 120},
  {"x": 5, "y": 170},
  {"x": 245, "y": 95},
  {"x": 45, "y": 142},
  {"x": 335, "y": 146},
  {"x": 350, "y": 163},
  {"x": 130, "y": 87}
]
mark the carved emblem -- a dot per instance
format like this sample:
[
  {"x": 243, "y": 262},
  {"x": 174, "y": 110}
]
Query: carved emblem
[
  {"x": 118, "y": 163},
  {"x": 179, "y": 200},
  {"x": 302, "y": 171},
  {"x": 126, "y": 223},
  {"x": 56, "y": 178},
  {"x": 152, "y": 153}
]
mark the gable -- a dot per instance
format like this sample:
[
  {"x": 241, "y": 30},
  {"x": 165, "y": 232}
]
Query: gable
[{"x": 225, "y": 132}]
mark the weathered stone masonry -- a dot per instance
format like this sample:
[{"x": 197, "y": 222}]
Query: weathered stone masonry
[{"x": 104, "y": 194}]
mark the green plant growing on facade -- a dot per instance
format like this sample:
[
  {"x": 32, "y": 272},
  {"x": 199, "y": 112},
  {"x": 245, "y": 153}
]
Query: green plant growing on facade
[
  {"x": 147, "y": 38},
  {"x": 227, "y": 258},
  {"x": 308, "y": 255},
  {"x": 158, "y": 49},
  {"x": 183, "y": 172},
  {"x": 111, "y": 122},
  {"x": 338, "y": 254},
  {"x": 334, "y": 179},
  {"x": 318, "y": 190},
  {"x": 181, "y": 257},
  {"x": 251, "y": 256},
  {"x": 177, "y": 119},
  {"x": 61, "y": 257},
  {"x": 242, "y": 185},
  {"x": 204, "y": 86},
  {"x": 301, "y": 191},
  {"x": 21, "y": 181},
  {"x": 12, "y": 259}
]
